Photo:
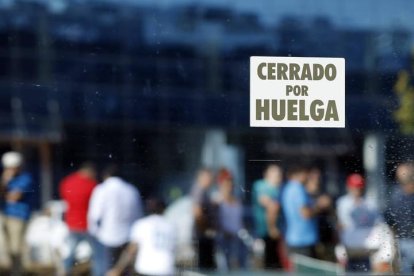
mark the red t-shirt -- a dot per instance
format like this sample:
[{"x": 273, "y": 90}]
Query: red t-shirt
[{"x": 76, "y": 189}]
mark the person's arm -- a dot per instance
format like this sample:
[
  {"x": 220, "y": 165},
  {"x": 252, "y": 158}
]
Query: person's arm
[
  {"x": 197, "y": 211},
  {"x": 197, "y": 208},
  {"x": 24, "y": 185},
  {"x": 272, "y": 208},
  {"x": 124, "y": 260},
  {"x": 95, "y": 210},
  {"x": 308, "y": 211},
  {"x": 272, "y": 213},
  {"x": 14, "y": 196},
  {"x": 6, "y": 176},
  {"x": 138, "y": 211},
  {"x": 62, "y": 193}
]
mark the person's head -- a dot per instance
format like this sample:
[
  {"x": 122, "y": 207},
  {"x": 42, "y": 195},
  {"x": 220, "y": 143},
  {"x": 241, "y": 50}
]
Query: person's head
[
  {"x": 298, "y": 172},
  {"x": 12, "y": 162},
  {"x": 88, "y": 169},
  {"x": 155, "y": 206},
  {"x": 110, "y": 170},
  {"x": 355, "y": 184},
  {"x": 273, "y": 174},
  {"x": 204, "y": 178},
  {"x": 405, "y": 177},
  {"x": 403, "y": 172},
  {"x": 313, "y": 183},
  {"x": 225, "y": 182}
]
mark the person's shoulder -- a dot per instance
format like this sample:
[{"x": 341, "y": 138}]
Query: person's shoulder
[
  {"x": 290, "y": 185},
  {"x": 131, "y": 189},
  {"x": 142, "y": 220},
  {"x": 149, "y": 220},
  {"x": 98, "y": 188},
  {"x": 168, "y": 224},
  {"x": 70, "y": 177},
  {"x": 371, "y": 204},
  {"x": 25, "y": 178},
  {"x": 113, "y": 184},
  {"x": 396, "y": 193},
  {"x": 343, "y": 200},
  {"x": 91, "y": 182},
  {"x": 138, "y": 224},
  {"x": 259, "y": 185}
]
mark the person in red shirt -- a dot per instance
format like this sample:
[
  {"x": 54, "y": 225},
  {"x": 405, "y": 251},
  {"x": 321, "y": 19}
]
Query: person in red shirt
[{"x": 76, "y": 190}]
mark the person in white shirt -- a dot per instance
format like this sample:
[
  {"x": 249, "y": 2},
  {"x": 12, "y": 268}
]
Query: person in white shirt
[
  {"x": 357, "y": 217},
  {"x": 152, "y": 244},
  {"x": 115, "y": 205}
]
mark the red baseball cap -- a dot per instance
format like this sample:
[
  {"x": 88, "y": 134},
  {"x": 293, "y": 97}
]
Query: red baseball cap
[{"x": 355, "y": 180}]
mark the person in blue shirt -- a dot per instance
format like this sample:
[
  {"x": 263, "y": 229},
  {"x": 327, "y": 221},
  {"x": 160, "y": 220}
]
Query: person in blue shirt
[
  {"x": 17, "y": 188},
  {"x": 299, "y": 212},
  {"x": 265, "y": 199}
]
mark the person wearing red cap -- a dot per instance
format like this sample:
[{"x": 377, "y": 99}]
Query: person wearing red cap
[{"x": 357, "y": 216}]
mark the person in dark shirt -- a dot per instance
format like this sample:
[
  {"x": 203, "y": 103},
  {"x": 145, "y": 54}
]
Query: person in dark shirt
[
  {"x": 399, "y": 215},
  {"x": 204, "y": 211},
  {"x": 325, "y": 219}
]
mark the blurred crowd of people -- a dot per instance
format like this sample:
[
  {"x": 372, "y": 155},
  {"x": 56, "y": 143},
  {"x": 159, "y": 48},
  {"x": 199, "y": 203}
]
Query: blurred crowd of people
[
  {"x": 108, "y": 216},
  {"x": 290, "y": 215}
]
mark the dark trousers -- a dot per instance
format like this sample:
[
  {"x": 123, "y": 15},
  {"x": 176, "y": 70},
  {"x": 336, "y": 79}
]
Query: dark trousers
[
  {"x": 271, "y": 253},
  {"x": 233, "y": 250},
  {"x": 309, "y": 251},
  {"x": 206, "y": 253},
  {"x": 111, "y": 255},
  {"x": 360, "y": 264}
]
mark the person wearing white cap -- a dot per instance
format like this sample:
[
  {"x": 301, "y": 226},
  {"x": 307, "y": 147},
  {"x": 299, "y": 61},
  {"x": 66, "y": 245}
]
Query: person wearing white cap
[{"x": 17, "y": 187}]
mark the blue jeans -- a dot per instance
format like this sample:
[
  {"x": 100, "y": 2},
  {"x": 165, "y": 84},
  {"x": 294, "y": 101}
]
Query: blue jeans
[
  {"x": 98, "y": 262},
  {"x": 406, "y": 247},
  {"x": 74, "y": 239},
  {"x": 104, "y": 257}
]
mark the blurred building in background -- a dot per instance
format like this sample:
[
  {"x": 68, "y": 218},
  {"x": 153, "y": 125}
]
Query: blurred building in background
[{"x": 163, "y": 88}]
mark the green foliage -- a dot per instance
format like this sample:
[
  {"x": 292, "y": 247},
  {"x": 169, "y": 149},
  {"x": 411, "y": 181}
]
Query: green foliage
[{"x": 404, "y": 89}]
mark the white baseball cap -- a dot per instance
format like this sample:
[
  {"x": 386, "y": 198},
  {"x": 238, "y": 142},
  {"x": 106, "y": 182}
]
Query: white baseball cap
[{"x": 12, "y": 159}]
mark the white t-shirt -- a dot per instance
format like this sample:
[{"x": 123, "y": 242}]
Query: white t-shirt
[
  {"x": 357, "y": 218},
  {"x": 156, "y": 241}
]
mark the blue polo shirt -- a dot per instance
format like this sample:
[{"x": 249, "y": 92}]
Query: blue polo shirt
[
  {"x": 22, "y": 208},
  {"x": 299, "y": 230}
]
